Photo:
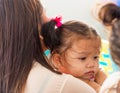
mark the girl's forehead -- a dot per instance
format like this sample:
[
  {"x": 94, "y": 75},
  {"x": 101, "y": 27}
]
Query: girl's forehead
[
  {"x": 86, "y": 46},
  {"x": 85, "y": 43}
]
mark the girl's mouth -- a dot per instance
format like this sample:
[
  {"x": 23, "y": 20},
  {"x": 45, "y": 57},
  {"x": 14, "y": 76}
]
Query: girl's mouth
[{"x": 90, "y": 75}]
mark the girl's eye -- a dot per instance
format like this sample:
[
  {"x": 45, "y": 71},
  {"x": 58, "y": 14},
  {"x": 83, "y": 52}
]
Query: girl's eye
[
  {"x": 83, "y": 58},
  {"x": 96, "y": 57}
]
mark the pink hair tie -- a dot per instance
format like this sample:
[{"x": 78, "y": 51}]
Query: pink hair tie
[{"x": 58, "y": 21}]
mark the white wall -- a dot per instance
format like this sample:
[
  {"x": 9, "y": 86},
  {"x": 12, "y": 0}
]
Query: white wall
[{"x": 74, "y": 10}]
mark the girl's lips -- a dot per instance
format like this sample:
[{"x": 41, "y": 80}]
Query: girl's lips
[
  {"x": 91, "y": 75},
  {"x": 90, "y": 72}
]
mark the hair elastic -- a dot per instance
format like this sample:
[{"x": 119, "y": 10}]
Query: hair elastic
[{"x": 58, "y": 19}]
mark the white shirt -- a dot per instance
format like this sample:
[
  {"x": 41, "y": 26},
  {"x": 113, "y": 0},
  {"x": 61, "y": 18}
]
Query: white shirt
[
  {"x": 42, "y": 80},
  {"x": 110, "y": 84}
]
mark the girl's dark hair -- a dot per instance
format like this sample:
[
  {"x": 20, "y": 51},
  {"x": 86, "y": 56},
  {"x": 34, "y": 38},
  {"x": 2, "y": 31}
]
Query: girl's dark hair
[
  {"x": 108, "y": 13},
  {"x": 59, "y": 39},
  {"x": 19, "y": 42}
]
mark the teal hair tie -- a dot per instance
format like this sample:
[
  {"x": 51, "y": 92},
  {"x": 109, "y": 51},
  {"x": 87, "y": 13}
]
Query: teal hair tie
[{"x": 47, "y": 52}]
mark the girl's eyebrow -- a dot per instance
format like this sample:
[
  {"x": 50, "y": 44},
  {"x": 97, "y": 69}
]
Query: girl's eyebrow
[
  {"x": 82, "y": 52},
  {"x": 79, "y": 52}
]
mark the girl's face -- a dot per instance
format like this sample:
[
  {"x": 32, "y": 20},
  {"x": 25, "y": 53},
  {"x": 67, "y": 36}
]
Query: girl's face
[{"x": 81, "y": 60}]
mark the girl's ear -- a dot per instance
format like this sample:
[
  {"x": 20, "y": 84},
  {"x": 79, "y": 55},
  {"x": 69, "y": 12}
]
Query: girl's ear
[{"x": 57, "y": 62}]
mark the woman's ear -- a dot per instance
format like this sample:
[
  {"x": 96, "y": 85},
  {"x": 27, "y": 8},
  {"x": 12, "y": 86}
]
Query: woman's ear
[
  {"x": 41, "y": 37},
  {"x": 42, "y": 43}
]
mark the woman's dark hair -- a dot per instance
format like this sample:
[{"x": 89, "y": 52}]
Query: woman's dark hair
[
  {"x": 115, "y": 42},
  {"x": 20, "y": 44},
  {"x": 108, "y": 13},
  {"x": 59, "y": 39}
]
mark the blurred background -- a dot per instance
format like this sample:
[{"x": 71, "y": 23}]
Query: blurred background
[{"x": 75, "y": 10}]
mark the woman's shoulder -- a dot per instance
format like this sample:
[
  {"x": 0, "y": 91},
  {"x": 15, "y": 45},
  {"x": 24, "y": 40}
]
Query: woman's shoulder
[
  {"x": 42, "y": 80},
  {"x": 110, "y": 84}
]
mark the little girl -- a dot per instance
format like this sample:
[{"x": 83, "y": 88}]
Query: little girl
[{"x": 75, "y": 49}]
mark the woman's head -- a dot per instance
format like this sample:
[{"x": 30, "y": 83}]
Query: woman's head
[
  {"x": 19, "y": 42},
  {"x": 109, "y": 13},
  {"x": 75, "y": 48}
]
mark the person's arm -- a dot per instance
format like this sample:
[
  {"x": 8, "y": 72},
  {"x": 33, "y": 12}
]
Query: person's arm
[
  {"x": 99, "y": 79},
  {"x": 92, "y": 83}
]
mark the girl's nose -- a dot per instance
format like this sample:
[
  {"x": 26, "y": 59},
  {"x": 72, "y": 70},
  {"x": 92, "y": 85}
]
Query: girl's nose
[{"x": 91, "y": 64}]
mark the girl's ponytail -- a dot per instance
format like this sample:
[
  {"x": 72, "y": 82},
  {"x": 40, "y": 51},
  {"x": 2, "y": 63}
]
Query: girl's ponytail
[{"x": 51, "y": 33}]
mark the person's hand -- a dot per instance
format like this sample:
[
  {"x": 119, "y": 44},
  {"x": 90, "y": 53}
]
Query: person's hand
[
  {"x": 93, "y": 84},
  {"x": 100, "y": 77}
]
